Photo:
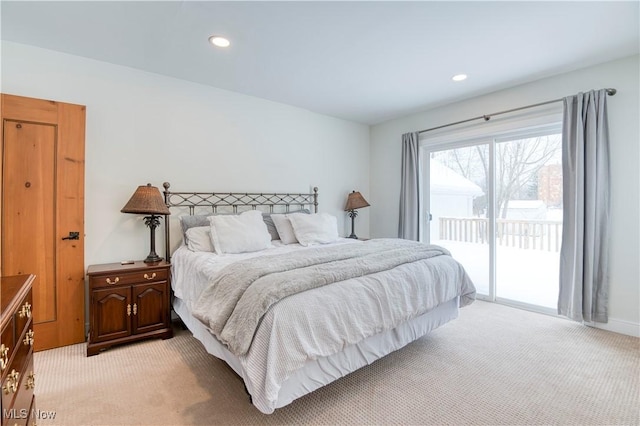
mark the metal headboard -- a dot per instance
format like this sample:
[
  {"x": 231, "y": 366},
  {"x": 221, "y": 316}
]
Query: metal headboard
[{"x": 212, "y": 202}]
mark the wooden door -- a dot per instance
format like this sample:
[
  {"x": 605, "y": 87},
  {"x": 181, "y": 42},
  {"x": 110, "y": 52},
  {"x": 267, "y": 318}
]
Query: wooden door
[{"x": 42, "y": 201}]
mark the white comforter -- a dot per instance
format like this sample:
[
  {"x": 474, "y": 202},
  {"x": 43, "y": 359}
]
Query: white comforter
[{"x": 289, "y": 336}]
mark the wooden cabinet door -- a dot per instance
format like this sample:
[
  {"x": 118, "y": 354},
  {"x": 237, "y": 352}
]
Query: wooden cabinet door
[
  {"x": 111, "y": 311},
  {"x": 42, "y": 201},
  {"x": 151, "y": 307}
]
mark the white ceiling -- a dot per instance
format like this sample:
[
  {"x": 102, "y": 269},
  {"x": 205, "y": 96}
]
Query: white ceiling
[{"x": 362, "y": 61}]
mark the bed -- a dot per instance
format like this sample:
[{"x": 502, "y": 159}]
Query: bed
[{"x": 293, "y": 317}]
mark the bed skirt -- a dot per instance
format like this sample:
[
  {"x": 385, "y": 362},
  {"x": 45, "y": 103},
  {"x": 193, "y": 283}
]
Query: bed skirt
[{"x": 319, "y": 372}]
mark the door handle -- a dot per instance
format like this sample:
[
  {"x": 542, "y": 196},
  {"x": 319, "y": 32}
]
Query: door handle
[{"x": 72, "y": 236}]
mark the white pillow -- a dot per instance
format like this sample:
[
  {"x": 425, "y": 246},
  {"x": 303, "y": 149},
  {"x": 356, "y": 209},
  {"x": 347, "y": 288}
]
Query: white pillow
[
  {"x": 284, "y": 228},
  {"x": 241, "y": 233},
  {"x": 311, "y": 229},
  {"x": 199, "y": 239}
]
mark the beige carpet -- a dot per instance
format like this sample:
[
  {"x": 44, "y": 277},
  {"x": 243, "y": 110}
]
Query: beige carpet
[{"x": 493, "y": 365}]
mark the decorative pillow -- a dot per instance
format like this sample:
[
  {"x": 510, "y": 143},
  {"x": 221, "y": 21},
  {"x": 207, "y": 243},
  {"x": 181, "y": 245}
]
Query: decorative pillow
[
  {"x": 271, "y": 227},
  {"x": 311, "y": 229},
  {"x": 193, "y": 221},
  {"x": 241, "y": 233},
  {"x": 199, "y": 238},
  {"x": 285, "y": 230}
]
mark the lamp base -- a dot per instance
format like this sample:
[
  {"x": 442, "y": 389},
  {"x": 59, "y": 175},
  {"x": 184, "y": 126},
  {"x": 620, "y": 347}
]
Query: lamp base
[
  {"x": 152, "y": 222},
  {"x": 152, "y": 258},
  {"x": 352, "y": 215}
]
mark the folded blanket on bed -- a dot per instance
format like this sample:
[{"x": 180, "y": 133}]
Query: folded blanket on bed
[{"x": 241, "y": 294}]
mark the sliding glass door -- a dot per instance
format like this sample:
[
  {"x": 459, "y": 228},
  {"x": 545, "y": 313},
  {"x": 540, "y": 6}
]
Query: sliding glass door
[
  {"x": 496, "y": 204},
  {"x": 458, "y": 182},
  {"x": 528, "y": 208}
]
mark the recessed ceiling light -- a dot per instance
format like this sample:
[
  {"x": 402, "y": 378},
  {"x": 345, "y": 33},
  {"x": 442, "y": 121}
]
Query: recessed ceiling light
[
  {"x": 219, "y": 41},
  {"x": 459, "y": 77}
]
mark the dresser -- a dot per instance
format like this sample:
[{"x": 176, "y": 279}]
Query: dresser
[
  {"x": 128, "y": 302},
  {"x": 16, "y": 350}
]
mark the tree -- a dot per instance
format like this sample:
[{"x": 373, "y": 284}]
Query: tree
[{"x": 517, "y": 165}]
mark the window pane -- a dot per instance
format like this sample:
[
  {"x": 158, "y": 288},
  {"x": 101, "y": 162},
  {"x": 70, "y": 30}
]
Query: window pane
[
  {"x": 458, "y": 205},
  {"x": 528, "y": 219}
]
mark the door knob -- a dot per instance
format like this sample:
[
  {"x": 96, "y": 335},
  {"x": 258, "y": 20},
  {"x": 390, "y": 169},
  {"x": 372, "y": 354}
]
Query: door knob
[{"x": 72, "y": 236}]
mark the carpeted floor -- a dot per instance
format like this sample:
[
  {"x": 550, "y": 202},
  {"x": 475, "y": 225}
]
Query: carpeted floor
[{"x": 493, "y": 365}]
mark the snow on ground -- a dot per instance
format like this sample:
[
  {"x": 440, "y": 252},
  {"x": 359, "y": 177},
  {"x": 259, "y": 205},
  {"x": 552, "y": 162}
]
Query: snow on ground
[{"x": 528, "y": 276}]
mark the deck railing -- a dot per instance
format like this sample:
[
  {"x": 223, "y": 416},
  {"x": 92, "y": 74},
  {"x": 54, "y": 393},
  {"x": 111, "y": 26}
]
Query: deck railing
[{"x": 522, "y": 234}]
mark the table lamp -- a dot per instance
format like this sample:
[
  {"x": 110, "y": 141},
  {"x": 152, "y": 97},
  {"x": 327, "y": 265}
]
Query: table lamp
[
  {"x": 147, "y": 200},
  {"x": 354, "y": 201}
]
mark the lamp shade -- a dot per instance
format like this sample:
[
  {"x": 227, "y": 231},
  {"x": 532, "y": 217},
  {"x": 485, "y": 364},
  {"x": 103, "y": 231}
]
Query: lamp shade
[
  {"x": 355, "y": 201},
  {"x": 146, "y": 200}
]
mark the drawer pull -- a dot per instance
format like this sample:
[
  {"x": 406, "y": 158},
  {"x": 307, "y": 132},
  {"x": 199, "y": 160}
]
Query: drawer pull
[
  {"x": 115, "y": 280},
  {"x": 129, "y": 309},
  {"x": 150, "y": 277},
  {"x": 135, "y": 309},
  {"x": 25, "y": 311},
  {"x": 4, "y": 356},
  {"x": 28, "y": 338},
  {"x": 31, "y": 381},
  {"x": 11, "y": 386}
]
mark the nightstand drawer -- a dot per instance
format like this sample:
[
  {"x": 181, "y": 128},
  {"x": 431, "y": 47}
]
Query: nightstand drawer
[{"x": 123, "y": 278}]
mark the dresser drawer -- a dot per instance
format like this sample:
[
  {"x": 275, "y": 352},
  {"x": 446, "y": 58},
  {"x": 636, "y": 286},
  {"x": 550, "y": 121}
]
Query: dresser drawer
[
  {"x": 16, "y": 385},
  {"x": 12, "y": 335},
  {"x": 7, "y": 347},
  {"x": 22, "y": 398},
  {"x": 10, "y": 386},
  {"x": 23, "y": 315},
  {"x": 15, "y": 370},
  {"x": 131, "y": 277},
  {"x": 24, "y": 344}
]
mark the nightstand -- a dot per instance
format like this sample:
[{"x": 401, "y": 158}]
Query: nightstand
[{"x": 127, "y": 303}]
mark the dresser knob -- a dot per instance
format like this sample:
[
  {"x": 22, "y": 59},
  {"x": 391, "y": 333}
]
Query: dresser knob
[
  {"x": 31, "y": 381},
  {"x": 28, "y": 338},
  {"x": 150, "y": 277},
  {"x": 115, "y": 280},
  {"x": 11, "y": 385},
  {"x": 25, "y": 311},
  {"x": 4, "y": 356}
]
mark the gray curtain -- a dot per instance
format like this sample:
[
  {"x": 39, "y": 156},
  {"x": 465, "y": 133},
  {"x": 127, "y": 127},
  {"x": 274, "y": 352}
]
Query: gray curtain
[
  {"x": 409, "y": 223},
  {"x": 584, "y": 263}
]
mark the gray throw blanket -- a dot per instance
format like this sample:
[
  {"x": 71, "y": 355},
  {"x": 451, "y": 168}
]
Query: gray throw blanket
[{"x": 233, "y": 305}]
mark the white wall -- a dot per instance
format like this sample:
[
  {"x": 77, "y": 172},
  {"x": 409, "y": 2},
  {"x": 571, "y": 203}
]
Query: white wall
[
  {"x": 624, "y": 306},
  {"x": 147, "y": 128},
  {"x": 143, "y": 127}
]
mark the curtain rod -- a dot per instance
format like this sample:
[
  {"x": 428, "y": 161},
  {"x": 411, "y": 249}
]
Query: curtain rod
[{"x": 487, "y": 117}]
